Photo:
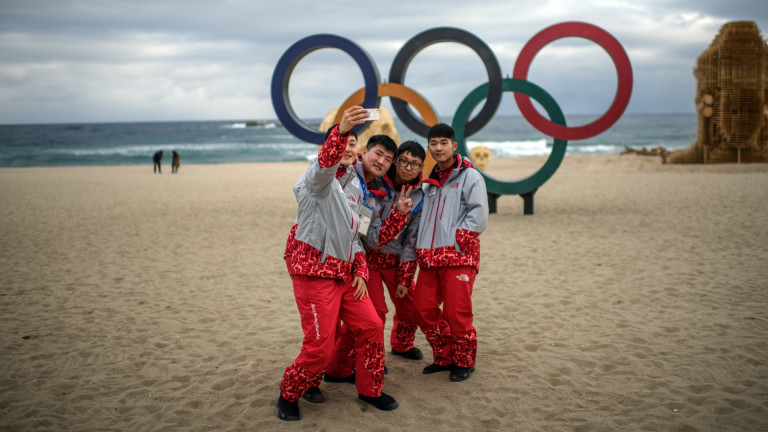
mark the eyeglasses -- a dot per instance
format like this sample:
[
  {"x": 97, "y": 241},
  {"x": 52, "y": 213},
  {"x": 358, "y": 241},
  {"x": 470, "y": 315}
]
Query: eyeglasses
[{"x": 404, "y": 163}]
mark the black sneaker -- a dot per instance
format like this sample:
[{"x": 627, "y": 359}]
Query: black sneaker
[
  {"x": 313, "y": 395},
  {"x": 434, "y": 368},
  {"x": 384, "y": 402},
  {"x": 330, "y": 378},
  {"x": 287, "y": 411},
  {"x": 412, "y": 354},
  {"x": 459, "y": 373}
]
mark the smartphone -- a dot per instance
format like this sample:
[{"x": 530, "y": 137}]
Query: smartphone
[{"x": 373, "y": 114}]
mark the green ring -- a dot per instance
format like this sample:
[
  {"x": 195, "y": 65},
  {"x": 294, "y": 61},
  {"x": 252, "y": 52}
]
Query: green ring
[{"x": 532, "y": 182}]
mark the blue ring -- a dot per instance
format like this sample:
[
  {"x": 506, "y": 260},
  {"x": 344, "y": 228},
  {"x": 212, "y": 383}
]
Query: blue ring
[{"x": 282, "y": 75}]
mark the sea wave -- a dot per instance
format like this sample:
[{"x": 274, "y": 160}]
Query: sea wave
[
  {"x": 591, "y": 149},
  {"x": 507, "y": 149},
  {"x": 256, "y": 124},
  {"x": 143, "y": 150},
  {"x": 539, "y": 147}
]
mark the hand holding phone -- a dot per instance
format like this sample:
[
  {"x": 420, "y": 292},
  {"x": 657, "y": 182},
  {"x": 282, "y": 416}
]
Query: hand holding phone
[
  {"x": 353, "y": 116},
  {"x": 373, "y": 114}
]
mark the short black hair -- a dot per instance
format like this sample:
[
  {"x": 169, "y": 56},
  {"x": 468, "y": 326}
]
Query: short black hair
[
  {"x": 441, "y": 130},
  {"x": 330, "y": 129},
  {"x": 384, "y": 141},
  {"x": 414, "y": 148}
]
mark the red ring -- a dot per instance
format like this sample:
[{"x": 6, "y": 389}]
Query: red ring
[{"x": 623, "y": 69}]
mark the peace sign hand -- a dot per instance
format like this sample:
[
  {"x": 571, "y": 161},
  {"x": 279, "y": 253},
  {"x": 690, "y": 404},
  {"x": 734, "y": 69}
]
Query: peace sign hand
[{"x": 404, "y": 203}]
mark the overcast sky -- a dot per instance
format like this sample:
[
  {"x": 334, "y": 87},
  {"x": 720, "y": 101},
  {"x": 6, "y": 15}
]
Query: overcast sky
[{"x": 158, "y": 60}]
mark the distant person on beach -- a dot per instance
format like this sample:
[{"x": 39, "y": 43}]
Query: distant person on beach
[
  {"x": 175, "y": 163},
  {"x": 455, "y": 213},
  {"x": 371, "y": 167},
  {"x": 394, "y": 264},
  {"x": 329, "y": 272},
  {"x": 156, "y": 159}
]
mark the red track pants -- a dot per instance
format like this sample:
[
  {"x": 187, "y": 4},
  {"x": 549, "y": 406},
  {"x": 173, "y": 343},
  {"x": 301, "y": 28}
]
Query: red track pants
[
  {"x": 404, "y": 322},
  {"x": 322, "y": 302},
  {"x": 449, "y": 331}
]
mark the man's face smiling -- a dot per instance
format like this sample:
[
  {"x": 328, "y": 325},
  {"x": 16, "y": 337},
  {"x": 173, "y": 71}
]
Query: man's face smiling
[
  {"x": 350, "y": 152},
  {"x": 376, "y": 162},
  {"x": 442, "y": 150},
  {"x": 405, "y": 174}
]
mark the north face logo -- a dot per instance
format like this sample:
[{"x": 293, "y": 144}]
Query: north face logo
[
  {"x": 454, "y": 185},
  {"x": 463, "y": 277}
]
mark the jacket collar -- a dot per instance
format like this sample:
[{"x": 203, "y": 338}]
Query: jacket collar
[{"x": 459, "y": 164}]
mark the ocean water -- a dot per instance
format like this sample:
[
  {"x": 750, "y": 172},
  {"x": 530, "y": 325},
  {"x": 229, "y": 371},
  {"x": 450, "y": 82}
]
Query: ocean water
[{"x": 213, "y": 142}]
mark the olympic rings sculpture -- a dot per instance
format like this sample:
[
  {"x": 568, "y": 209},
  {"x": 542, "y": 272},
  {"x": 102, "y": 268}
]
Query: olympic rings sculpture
[
  {"x": 532, "y": 182},
  {"x": 491, "y": 92}
]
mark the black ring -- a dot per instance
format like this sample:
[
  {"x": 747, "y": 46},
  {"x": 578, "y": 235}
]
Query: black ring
[{"x": 447, "y": 34}]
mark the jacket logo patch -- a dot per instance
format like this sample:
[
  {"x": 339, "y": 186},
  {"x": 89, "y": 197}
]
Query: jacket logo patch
[
  {"x": 454, "y": 185},
  {"x": 463, "y": 277}
]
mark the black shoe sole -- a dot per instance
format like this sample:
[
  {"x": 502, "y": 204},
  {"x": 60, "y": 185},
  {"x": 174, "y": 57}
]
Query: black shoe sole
[
  {"x": 407, "y": 355},
  {"x": 435, "y": 368},
  {"x": 314, "y": 398},
  {"x": 371, "y": 400},
  {"x": 283, "y": 416},
  {"x": 456, "y": 377},
  {"x": 330, "y": 378}
]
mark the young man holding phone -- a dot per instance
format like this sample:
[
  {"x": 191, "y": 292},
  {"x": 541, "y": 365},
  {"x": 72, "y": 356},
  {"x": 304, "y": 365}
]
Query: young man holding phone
[
  {"x": 328, "y": 270},
  {"x": 454, "y": 214}
]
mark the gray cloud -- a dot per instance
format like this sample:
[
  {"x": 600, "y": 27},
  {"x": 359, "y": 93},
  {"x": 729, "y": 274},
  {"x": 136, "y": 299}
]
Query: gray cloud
[
  {"x": 751, "y": 10},
  {"x": 119, "y": 60}
]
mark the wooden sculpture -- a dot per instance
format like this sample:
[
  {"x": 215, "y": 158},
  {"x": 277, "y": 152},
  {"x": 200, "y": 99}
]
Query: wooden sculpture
[{"x": 731, "y": 96}]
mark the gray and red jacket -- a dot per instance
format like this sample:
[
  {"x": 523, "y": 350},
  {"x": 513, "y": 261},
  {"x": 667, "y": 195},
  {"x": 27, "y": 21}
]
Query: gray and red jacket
[
  {"x": 323, "y": 241},
  {"x": 454, "y": 214},
  {"x": 398, "y": 253},
  {"x": 383, "y": 227}
]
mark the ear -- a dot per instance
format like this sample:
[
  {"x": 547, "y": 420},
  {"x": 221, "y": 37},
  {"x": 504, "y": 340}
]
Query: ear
[{"x": 455, "y": 146}]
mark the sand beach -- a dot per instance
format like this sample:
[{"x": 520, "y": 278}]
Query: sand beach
[{"x": 634, "y": 299}]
